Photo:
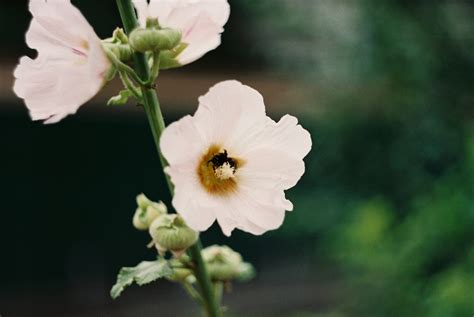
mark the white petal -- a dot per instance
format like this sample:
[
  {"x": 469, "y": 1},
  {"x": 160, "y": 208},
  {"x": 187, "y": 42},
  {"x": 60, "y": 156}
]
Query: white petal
[
  {"x": 159, "y": 9},
  {"x": 288, "y": 136},
  {"x": 190, "y": 200},
  {"x": 251, "y": 210},
  {"x": 60, "y": 21},
  {"x": 218, "y": 10},
  {"x": 70, "y": 66},
  {"x": 142, "y": 11},
  {"x": 263, "y": 209},
  {"x": 181, "y": 142},
  {"x": 53, "y": 90},
  {"x": 231, "y": 114},
  {"x": 203, "y": 36},
  {"x": 200, "y": 21},
  {"x": 275, "y": 157}
]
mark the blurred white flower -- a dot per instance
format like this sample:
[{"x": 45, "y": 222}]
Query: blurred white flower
[
  {"x": 71, "y": 64},
  {"x": 232, "y": 163},
  {"x": 201, "y": 22}
]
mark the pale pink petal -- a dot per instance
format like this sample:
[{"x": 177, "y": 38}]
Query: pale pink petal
[
  {"x": 218, "y": 10},
  {"x": 201, "y": 22},
  {"x": 196, "y": 208},
  {"x": 60, "y": 21},
  {"x": 70, "y": 67},
  {"x": 231, "y": 114},
  {"x": 285, "y": 140},
  {"x": 285, "y": 135},
  {"x": 182, "y": 142},
  {"x": 263, "y": 210},
  {"x": 53, "y": 90},
  {"x": 142, "y": 11},
  {"x": 203, "y": 36}
]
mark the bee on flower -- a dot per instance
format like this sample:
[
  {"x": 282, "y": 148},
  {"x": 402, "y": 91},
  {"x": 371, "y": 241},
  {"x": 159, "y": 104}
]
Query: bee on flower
[{"x": 231, "y": 163}]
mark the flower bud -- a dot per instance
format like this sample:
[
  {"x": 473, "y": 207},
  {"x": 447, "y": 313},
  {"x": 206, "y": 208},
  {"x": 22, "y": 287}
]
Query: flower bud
[
  {"x": 170, "y": 232},
  {"x": 224, "y": 264},
  {"x": 147, "y": 211},
  {"x": 168, "y": 59},
  {"x": 152, "y": 40},
  {"x": 122, "y": 51},
  {"x": 180, "y": 274},
  {"x": 142, "y": 201}
]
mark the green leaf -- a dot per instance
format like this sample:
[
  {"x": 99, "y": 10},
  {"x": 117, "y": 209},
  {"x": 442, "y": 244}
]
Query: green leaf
[
  {"x": 143, "y": 273},
  {"x": 120, "y": 99}
]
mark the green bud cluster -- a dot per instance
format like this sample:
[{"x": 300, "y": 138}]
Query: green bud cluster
[
  {"x": 119, "y": 45},
  {"x": 153, "y": 38},
  {"x": 170, "y": 233},
  {"x": 224, "y": 264},
  {"x": 182, "y": 271},
  {"x": 147, "y": 211}
]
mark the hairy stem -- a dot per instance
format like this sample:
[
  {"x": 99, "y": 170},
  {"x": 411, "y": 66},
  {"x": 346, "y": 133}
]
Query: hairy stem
[{"x": 157, "y": 124}]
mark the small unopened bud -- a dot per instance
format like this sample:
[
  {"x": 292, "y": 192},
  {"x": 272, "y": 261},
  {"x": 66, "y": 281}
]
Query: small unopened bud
[
  {"x": 123, "y": 52},
  {"x": 168, "y": 59},
  {"x": 181, "y": 269},
  {"x": 224, "y": 264},
  {"x": 170, "y": 232},
  {"x": 142, "y": 219},
  {"x": 153, "y": 40},
  {"x": 120, "y": 36},
  {"x": 180, "y": 274},
  {"x": 147, "y": 211}
]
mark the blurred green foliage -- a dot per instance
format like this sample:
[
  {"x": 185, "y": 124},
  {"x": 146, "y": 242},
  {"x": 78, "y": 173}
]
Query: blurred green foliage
[{"x": 389, "y": 190}]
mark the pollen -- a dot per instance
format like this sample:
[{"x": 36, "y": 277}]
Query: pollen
[
  {"x": 225, "y": 171},
  {"x": 216, "y": 171}
]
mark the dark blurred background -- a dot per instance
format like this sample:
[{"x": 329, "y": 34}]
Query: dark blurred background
[{"x": 384, "y": 217}]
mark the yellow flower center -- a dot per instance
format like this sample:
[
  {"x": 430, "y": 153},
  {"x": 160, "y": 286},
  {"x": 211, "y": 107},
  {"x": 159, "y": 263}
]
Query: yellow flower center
[{"x": 216, "y": 171}]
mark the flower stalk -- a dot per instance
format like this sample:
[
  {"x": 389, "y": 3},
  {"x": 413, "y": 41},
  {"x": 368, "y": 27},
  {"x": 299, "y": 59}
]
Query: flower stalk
[{"x": 157, "y": 125}]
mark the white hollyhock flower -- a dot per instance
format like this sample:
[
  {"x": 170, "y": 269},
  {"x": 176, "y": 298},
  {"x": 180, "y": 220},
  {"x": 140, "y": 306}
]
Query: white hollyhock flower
[
  {"x": 232, "y": 163},
  {"x": 71, "y": 65},
  {"x": 201, "y": 22}
]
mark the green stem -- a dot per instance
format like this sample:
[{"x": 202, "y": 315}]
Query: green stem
[
  {"x": 157, "y": 124},
  {"x": 219, "y": 290},
  {"x": 122, "y": 67},
  {"x": 211, "y": 304},
  {"x": 192, "y": 292},
  {"x": 155, "y": 69},
  {"x": 130, "y": 86}
]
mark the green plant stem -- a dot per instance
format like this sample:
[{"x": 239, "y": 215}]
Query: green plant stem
[
  {"x": 212, "y": 306},
  {"x": 157, "y": 124},
  {"x": 155, "y": 69},
  {"x": 127, "y": 83},
  {"x": 192, "y": 292},
  {"x": 122, "y": 67}
]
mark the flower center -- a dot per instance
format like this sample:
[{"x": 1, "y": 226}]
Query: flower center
[
  {"x": 223, "y": 165},
  {"x": 216, "y": 171}
]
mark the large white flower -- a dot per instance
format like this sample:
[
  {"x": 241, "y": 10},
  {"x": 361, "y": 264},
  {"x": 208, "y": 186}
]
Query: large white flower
[
  {"x": 71, "y": 64},
  {"x": 232, "y": 163},
  {"x": 201, "y": 22}
]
